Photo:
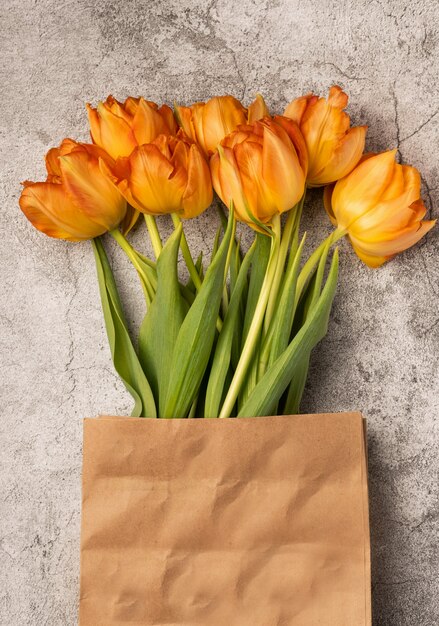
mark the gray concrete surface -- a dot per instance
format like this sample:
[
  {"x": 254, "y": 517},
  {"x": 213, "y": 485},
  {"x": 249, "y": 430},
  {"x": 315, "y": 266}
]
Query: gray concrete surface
[{"x": 381, "y": 352}]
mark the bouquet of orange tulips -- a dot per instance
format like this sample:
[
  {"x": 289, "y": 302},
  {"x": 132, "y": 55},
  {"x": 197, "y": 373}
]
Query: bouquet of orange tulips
[{"x": 236, "y": 339}]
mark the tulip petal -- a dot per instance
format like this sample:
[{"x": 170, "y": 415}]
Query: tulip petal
[
  {"x": 198, "y": 124},
  {"x": 258, "y": 168},
  {"x": 168, "y": 116},
  {"x": 361, "y": 190},
  {"x": 390, "y": 217},
  {"x": 220, "y": 116},
  {"x": 51, "y": 210},
  {"x": 395, "y": 186},
  {"x": 334, "y": 149},
  {"x": 95, "y": 127},
  {"x": 338, "y": 158},
  {"x": 379, "y": 205},
  {"x": 327, "y": 202},
  {"x": 294, "y": 133},
  {"x": 177, "y": 153},
  {"x": 125, "y": 190},
  {"x": 185, "y": 121},
  {"x": 322, "y": 124},
  {"x": 52, "y": 158},
  {"x": 91, "y": 190},
  {"x": 111, "y": 132},
  {"x": 129, "y": 221},
  {"x": 118, "y": 109},
  {"x": 260, "y": 200},
  {"x": 406, "y": 179},
  {"x": 198, "y": 194},
  {"x": 297, "y": 107},
  {"x": 52, "y": 164},
  {"x": 227, "y": 181},
  {"x": 373, "y": 252},
  {"x": 257, "y": 109},
  {"x": 283, "y": 177},
  {"x": 155, "y": 184},
  {"x": 369, "y": 259},
  {"x": 147, "y": 123},
  {"x": 337, "y": 97},
  {"x": 130, "y": 105}
]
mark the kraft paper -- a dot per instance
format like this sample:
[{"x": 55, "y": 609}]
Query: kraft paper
[{"x": 234, "y": 522}]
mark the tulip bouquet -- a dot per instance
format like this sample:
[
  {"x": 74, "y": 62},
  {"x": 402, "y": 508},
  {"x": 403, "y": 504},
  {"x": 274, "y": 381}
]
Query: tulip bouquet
[
  {"x": 236, "y": 338},
  {"x": 279, "y": 507}
]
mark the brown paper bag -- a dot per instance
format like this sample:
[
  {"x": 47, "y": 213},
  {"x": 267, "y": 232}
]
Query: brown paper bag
[{"x": 235, "y": 522}]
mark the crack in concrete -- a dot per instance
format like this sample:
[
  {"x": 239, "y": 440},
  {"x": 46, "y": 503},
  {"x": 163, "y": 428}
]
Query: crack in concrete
[
  {"x": 427, "y": 275},
  {"x": 71, "y": 351},
  {"x": 395, "y": 105},
  {"x": 415, "y": 132},
  {"x": 340, "y": 71},
  {"x": 428, "y": 517}
]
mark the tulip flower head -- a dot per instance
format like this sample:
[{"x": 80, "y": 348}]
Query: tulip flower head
[
  {"x": 207, "y": 123},
  {"x": 118, "y": 127},
  {"x": 334, "y": 148},
  {"x": 168, "y": 175},
  {"x": 261, "y": 168},
  {"x": 77, "y": 201},
  {"x": 379, "y": 206}
]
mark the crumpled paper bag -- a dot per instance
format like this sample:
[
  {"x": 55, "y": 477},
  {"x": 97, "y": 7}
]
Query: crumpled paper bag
[{"x": 234, "y": 522}]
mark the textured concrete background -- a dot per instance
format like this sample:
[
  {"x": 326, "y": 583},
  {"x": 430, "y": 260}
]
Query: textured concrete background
[{"x": 381, "y": 352}]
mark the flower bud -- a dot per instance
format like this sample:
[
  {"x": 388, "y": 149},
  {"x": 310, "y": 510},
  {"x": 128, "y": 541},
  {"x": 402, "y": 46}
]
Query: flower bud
[
  {"x": 207, "y": 123},
  {"x": 168, "y": 175},
  {"x": 77, "y": 201},
  {"x": 118, "y": 127},
  {"x": 334, "y": 148},
  {"x": 261, "y": 168},
  {"x": 379, "y": 206}
]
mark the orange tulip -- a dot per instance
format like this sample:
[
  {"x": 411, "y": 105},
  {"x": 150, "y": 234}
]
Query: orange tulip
[
  {"x": 207, "y": 123},
  {"x": 118, "y": 127},
  {"x": 334, "y": 148},
  {"x": 168, "y": 175},
  {"x": 261, "y": 167},
  {"x": 379, "y": 206},
  {"x": 77, "y": 201}
]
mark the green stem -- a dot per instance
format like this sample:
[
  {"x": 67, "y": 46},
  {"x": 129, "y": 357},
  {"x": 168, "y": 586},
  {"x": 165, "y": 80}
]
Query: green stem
[
  {"x": 147, "y": 261},
  {"x": 289, "y": 242},
  {"x": 187, "y": 255},
  {"x": 154, "y": 234},
  {"x": 225, "y": 296},
  {"x": 290, "y": 226},
  {"x": 132, "y": 255},
  {"x": 311, "y": 263},
  {"x": 255, "y": 326},
  {"x": 193, "y": 408},
  {"x": 222, "y": 215},
  {"x": 294, "y": 243},
  {"x": 224, "y": 301},
  {"x": 193, "y": 273}
]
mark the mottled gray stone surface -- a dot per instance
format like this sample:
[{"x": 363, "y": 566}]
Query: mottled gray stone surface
[{"x": 381, "y": 352}]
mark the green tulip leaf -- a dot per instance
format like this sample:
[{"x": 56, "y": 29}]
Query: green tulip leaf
[
  {"x": 279, "y": 333},
  {"x": 163, "y": 320},
  {"x": 307, "y": 302},
  {"x": 195, "y": 339},
  {"x": 267, "y": 393},
  {"x": 258, "y": 270},
  {"x": 223, "y": 351},
  {"x": 190, "y": 286},
  {"x": 125, "y": 359},
  {"x": 257, "y": 274}
]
